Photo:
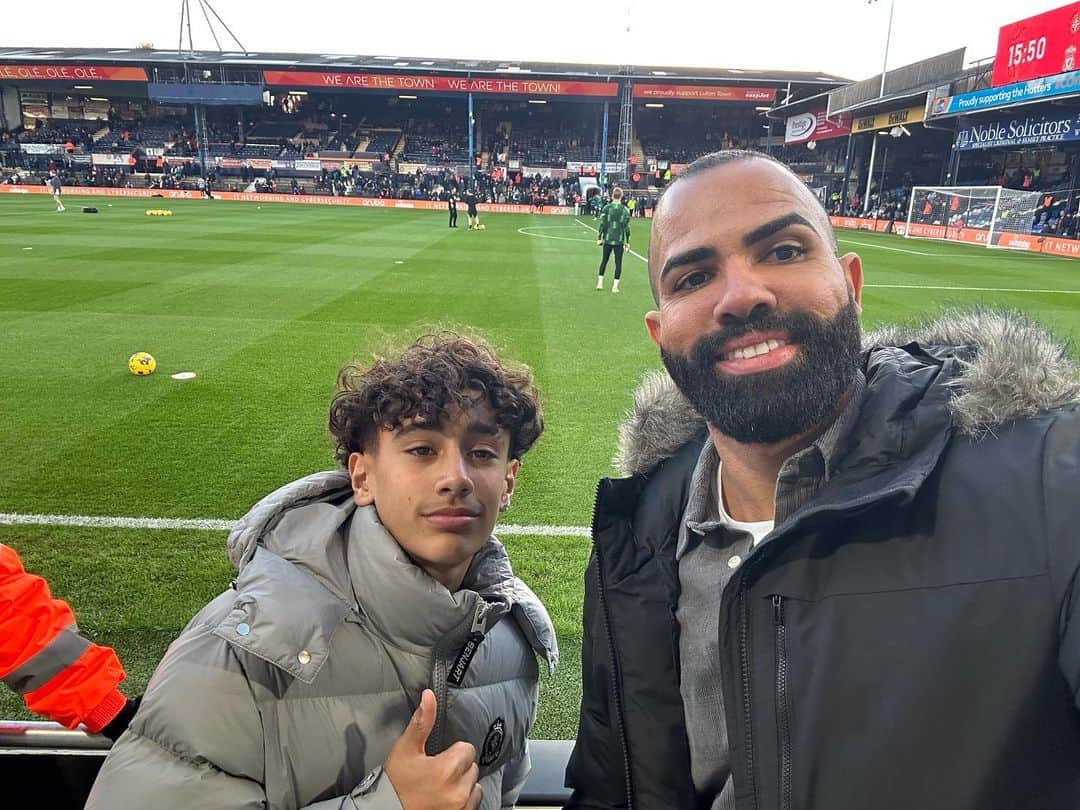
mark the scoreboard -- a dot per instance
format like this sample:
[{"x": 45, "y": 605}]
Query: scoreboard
[{"x": 1043, "y": 45}]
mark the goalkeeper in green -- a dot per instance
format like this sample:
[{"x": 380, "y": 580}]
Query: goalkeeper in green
[{"x": 614, "y": 236}]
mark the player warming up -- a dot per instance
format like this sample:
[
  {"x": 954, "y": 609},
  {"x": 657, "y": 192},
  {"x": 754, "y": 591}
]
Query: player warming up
[
  {"x": 614, "y": 235},
  {"x": 53, "y": 182},
  {"x": 471, "y": 211}
]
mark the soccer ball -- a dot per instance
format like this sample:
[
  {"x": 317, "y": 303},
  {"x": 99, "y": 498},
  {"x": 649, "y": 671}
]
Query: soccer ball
[{"x": 142, "y": 364}]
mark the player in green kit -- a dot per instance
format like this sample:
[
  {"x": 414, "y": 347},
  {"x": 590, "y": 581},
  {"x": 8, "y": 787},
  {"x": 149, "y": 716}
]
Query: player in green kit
[{"x": 614, "y": 235}]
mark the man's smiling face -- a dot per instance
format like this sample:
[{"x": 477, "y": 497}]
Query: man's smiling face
[{"x": 758, "y": 317}]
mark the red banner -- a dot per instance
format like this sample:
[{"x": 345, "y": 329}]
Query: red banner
[
  {"x": 693, "y": 92},
  {"x": 71, "y": 73},
  {"x": 1038, "y": 46},
  {"x": 437, "y": 84},
  {"x": 816, "y": 126}
]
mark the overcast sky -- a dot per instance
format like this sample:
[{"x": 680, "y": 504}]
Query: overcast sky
[{"x": 843, "y": 37}]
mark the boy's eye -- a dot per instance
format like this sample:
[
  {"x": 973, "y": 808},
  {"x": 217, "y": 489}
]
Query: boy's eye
[
  {"x": 421, "y": 450},
  {"x": 484, "y": 454}
]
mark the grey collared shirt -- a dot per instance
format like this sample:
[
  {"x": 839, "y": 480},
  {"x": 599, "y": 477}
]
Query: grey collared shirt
[{"x": 709, "y": 552}]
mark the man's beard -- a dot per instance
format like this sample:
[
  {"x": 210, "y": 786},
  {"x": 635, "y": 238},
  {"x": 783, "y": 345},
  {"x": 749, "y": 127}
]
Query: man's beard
[{"x": 769, "y": 406}]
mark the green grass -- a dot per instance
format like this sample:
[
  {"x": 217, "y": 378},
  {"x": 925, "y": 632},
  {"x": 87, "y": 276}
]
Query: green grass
[{"x": 265, "y": 304}]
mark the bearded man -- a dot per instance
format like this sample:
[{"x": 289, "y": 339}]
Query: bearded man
[{"x": 842, "y": 572}]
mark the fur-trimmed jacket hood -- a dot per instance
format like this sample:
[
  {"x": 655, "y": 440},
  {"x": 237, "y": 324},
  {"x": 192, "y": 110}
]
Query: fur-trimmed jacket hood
[{"x": 1012, "y": 367}]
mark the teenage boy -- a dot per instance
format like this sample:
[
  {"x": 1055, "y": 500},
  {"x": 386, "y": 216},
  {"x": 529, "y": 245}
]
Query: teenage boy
[{"x": 375, "y": 649}]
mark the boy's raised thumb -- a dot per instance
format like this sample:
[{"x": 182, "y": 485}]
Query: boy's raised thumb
[{"x": 422, "y": 722}]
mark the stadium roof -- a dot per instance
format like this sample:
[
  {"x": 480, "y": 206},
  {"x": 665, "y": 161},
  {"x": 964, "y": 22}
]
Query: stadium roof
[{"x": 408, "y": 64}]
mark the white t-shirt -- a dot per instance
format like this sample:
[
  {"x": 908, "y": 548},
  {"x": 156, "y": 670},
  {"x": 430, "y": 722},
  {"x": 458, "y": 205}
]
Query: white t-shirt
[{"x": 757, "y": 529}]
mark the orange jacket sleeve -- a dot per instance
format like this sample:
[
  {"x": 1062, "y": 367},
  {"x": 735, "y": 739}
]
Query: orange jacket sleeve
[{"x": 59, "y": 673}]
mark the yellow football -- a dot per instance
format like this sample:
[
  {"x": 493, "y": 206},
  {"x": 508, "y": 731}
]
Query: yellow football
[{"x": 142, "y": 364}]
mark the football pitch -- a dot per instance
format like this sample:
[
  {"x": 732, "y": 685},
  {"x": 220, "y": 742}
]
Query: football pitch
[{"x": 264, "y": 304}]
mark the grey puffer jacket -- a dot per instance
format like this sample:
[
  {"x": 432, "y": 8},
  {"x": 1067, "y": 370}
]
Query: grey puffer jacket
[{"x": 289, "y": 689}]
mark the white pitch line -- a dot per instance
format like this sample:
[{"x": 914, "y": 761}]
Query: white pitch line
[
  {"x": 591, "y": 228},
  {"x": 218, "y": 525},
  {"x": 970, "y": 289},
  {"x": 525, "y": 232},
  {"x": 845, "y": 240},
  {"x": 104, "y": 522},
  {"x": 544, "y": 531}
]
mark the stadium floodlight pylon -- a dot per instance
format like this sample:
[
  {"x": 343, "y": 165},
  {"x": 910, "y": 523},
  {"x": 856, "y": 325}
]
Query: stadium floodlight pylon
[
  {"x": 971, "y": 214},
  {"x": 185, "y": 16}
]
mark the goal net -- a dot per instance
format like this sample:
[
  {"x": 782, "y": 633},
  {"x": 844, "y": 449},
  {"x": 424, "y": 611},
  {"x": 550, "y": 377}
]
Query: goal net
[
  {"x": 980, "y": 215},
  {"x": 1016, "y": 212}
]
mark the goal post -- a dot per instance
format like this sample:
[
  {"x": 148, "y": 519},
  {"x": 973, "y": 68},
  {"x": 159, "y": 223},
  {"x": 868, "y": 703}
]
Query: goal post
[{"x": 978, "y": 215}]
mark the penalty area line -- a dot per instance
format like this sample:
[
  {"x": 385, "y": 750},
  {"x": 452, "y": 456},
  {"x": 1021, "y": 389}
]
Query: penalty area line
[
  {"x": 873, "y": 246},
  {"x": 219, "y": 525}
]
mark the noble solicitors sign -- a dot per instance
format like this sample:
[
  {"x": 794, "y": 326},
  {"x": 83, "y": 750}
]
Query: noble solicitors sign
[{"x": 1026, "y": 131}]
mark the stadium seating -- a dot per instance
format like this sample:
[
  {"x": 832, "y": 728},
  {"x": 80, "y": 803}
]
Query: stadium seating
[
  {"x": 382, "y": 142},
  {"x": 436, "y": 142}
]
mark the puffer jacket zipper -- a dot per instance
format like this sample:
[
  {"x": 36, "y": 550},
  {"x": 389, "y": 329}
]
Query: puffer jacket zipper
[
  {"x": 612, "y": 661},
  {"x": 783, "y": 715},
  {"x": 438, "y": 682},
  {"x": 440, "y": 677}
]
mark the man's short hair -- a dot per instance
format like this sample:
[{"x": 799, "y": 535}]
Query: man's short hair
[
  {"x": 435, "y": 375},
  {"x": 616, "y": 193},
  {"x": 723, "y": 158}
]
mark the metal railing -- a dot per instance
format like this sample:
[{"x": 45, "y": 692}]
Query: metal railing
[{"x": 50, "y": 766}]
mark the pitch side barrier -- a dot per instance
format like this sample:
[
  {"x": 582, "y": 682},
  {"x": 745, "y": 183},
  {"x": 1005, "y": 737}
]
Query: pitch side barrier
[
  {"x": 45, "y": 765},
  {"x": 301, "y": 199},
  {"x": 1032, "y": 243}
]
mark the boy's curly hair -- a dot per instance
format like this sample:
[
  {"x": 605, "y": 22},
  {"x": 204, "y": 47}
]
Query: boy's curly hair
[{"x": 437, "y": 373}]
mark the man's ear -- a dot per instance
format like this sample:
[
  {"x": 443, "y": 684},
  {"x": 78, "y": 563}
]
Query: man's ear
[
  {"x": 361, "y": 479},
  {"x": 652, "y": 323},
  {"x": 852, "y": 265}
]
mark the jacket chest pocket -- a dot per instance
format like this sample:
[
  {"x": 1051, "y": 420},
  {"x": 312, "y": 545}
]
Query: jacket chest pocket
[{"x": 891, "y": 687}]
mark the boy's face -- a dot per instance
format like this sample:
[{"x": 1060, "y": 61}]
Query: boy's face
[{"x": 438, "y": 488}]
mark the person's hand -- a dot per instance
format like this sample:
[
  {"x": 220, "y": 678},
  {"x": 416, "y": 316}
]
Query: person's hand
[
  {"x": 447, "y": 780},
  {"x": 599, "y": 242}
]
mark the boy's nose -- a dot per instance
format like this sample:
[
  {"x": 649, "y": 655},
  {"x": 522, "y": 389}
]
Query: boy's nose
[{"x": 455, "y": 476}]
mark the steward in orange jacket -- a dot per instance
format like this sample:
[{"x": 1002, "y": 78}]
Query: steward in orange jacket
[{"x": 59, "y": 673}]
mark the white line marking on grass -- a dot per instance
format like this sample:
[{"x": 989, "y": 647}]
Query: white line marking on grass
[
  {"x": 631, "y": 252},
  {"x": 544, "y": 531},
  {"x": 969, "y": 289},
  {"x": 525, "y": 232},
  {"x": 883, "y": 247},
  {"x": 103, "y": 522},
  {"x": 218, "y": 525}
]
